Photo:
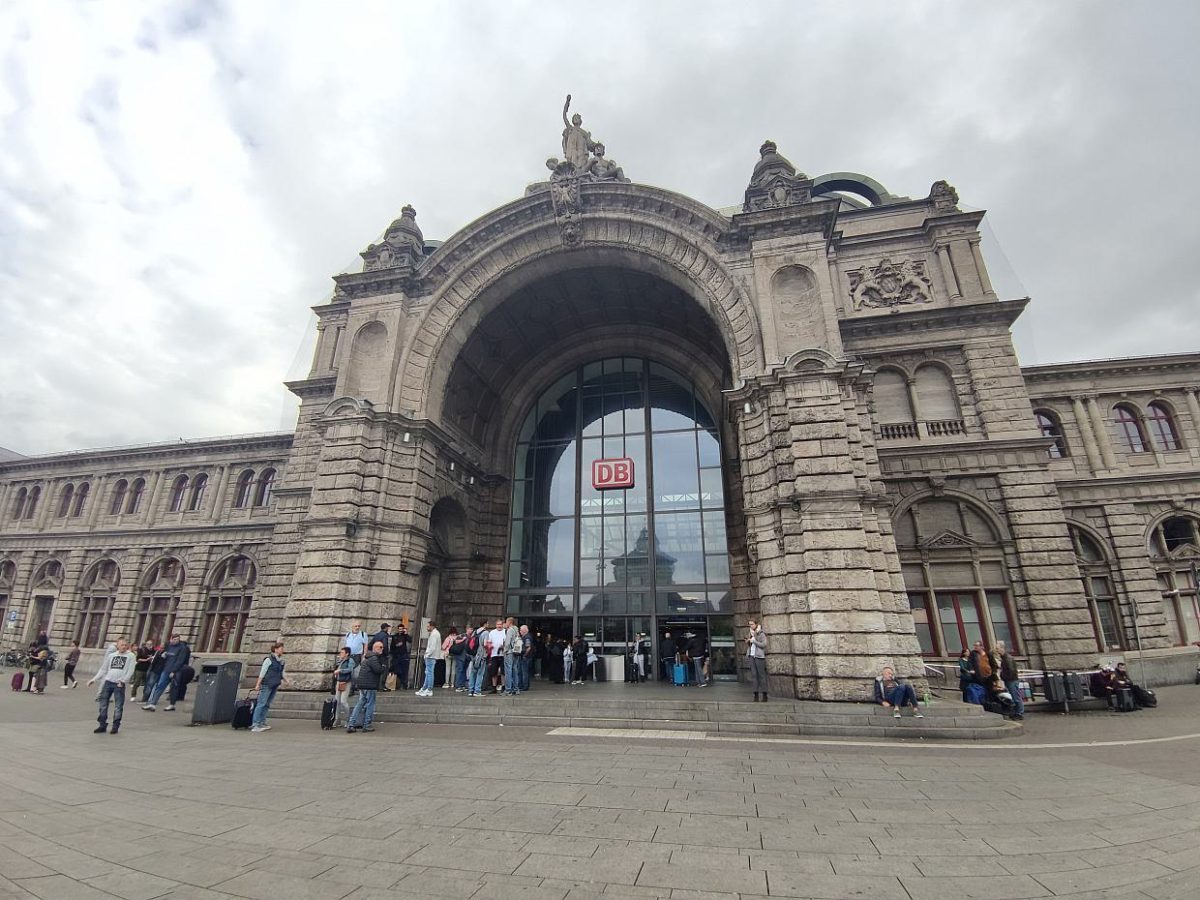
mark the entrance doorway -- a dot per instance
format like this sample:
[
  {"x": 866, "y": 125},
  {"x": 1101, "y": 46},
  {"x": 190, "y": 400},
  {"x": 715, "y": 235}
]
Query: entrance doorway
[{"x": 39, "y": 619}]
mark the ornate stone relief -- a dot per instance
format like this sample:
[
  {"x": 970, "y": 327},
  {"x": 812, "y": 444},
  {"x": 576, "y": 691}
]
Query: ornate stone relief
[
  {"x": 403, "y": 244},
  {"x": 583, "y": 160},
  {"x": 944, "y": 197},
  {"x": 889, "y": 284},
  {"x": 947, "y": 539},
  {"x": 775, "y": 182}
]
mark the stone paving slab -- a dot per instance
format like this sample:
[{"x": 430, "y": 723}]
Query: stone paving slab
[{"x": 477, "y": 811}]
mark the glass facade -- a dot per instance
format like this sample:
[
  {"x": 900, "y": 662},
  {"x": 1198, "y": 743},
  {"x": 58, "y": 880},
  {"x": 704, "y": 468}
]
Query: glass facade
[{"x": 619, "y": 562}]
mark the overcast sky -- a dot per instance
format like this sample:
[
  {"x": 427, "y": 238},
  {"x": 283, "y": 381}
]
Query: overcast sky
[{"x": 179, "y": 181}]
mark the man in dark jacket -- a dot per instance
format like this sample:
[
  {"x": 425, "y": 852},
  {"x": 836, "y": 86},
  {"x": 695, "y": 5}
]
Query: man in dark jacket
[
  {"x": 668, "y": 650},
  {"x": 157, "y": 661},
  {"x": 370, "y": 676},
  {"x": 1006, "y": 667},
  {"x": 384, "y": 636},
  {"x": 401, "y": 650},
  {"x": 175, "y": 656}
]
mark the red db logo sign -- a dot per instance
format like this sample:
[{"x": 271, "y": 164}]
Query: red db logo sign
[{"x": 612, "y": 473}]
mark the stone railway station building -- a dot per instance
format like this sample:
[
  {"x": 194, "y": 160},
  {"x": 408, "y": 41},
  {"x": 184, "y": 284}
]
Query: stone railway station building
[{"x": 815, "y": 393}]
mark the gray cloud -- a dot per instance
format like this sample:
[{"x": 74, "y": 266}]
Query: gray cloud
[{"x": 178, "y": 185}]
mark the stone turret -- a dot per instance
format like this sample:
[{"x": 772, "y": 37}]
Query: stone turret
[
  {"x": 403, "y": 244},
  {"x": 775, "y": 182}
]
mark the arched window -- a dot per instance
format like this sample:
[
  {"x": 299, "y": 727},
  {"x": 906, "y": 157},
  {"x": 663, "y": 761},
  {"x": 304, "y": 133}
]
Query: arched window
[
  {"x": 8, "y": 577},
  {"x": 954, "y": 570},
  {"x": 178, "y": 492},
  {"x": 1051, "y": 427},
  {"x": 81, "y": 496},
  {"x": 1129, "y": 425},
  {"x": 1098, "y": 588},
  {"x": 262, "y": 493},
  {"x": 31, "y": 506},
  {"x": 47, "y": 583},
  {"x": 18, "y": 509},
  {"x": 64, "y": 500},
  {"x": 120, "y": 489},
  {"x": 245, "y": 487},
  {"x": 1162, "y": 426},
  {"x": 937, "y": 401},
  {"x": 1174, "y": 547},
  {"x": 98, "y": 595},
  {"x": 135, "y": 496},
  {"x": 893, "y": 405},
  {"x": 161, "y": 588},
  {"x": 228, "y": 610},
  {"x": 199, "y": 484}
]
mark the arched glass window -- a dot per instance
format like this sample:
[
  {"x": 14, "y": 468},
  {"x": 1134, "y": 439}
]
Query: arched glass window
[
  {"x": 936, "y": 395},
  {"x": 18, "y": 509},
  {"x": 1162, "y": 426},
  {"x": 199, "y": 485},
  {"x": 98, "y": 595},
  {"x": 1173, "y": 548},
  {"x": 1098, "y": 588},
  {"x": 8, "y": 578},
  {"x": 227, "y": 613},
  {"x": 262, "y": 493},
  {"x": 120, "y": 489},
  {"x": 159, "y": 604},
  {"x": 957, "y": 581},
  {"x": 1129, "y": 426},
  {"x": 31, "y": 506},
  {"x": 81, "y": 496},
  {"x": 178, "y": 492},
  {"x": 135, "y": 496},
  {"x": 245, "y": 487},
  {"x": 64, "y": 500},
  {"x": 893, "y": 405},
  {"x": 1051, "y": 427}
]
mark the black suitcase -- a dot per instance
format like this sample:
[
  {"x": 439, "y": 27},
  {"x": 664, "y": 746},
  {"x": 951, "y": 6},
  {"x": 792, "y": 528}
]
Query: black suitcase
[
  {"x": 631, "y": 671},
  {"x": 1144, "y": 697},
  {"x": 1124, "y": 700},
  {"x": 329, "y": 713},
  {"x": 243, "y": 713}
]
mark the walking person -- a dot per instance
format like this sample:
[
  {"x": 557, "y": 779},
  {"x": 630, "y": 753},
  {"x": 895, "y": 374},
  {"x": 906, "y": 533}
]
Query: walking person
[
  {"x": 433, "y": 652},
  {"x": 143, "y": 654},
  {"x": 153, "y": 672},
  {"x": 175, "y": 656},
  {"x": 69, "y": 669},
  {"x": 370, "y": 676},
  {"x": 270, "y": 677},
  {"x": 343, "y": 671},
  {"x": 114, "y": 674},
  {"x": 756, "y": 658},
  {"x": 698, "y": 651}
]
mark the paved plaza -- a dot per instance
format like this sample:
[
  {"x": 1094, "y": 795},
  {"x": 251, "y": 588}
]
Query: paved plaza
[{"x": 167, "y": 810}]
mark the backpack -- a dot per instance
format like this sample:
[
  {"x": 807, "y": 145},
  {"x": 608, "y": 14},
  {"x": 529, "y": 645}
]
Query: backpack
[
  {"x": 473, "y": 643},
  {"x": 459, "y": 646}
]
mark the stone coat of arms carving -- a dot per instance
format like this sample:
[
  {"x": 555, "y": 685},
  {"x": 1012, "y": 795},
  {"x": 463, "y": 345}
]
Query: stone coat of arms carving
[{"x": 889, "y": 284}]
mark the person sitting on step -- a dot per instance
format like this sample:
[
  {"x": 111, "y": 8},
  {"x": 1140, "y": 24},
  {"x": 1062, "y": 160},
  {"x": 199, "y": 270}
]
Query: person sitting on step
[{"x": 893, "y": 693}]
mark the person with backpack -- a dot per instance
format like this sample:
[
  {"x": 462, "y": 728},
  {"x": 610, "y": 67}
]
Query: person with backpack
[
  {"x": 270, "y": 677},
  {"x": 460, "y": 656}
]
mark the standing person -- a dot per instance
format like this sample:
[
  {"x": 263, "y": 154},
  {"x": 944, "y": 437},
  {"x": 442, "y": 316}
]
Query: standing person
[
  {"x": 114, "y": 673},
  {"x": 185, "y": 677},
  {"x": 667, "y": 650},
  {"x": 42, "y": 672},
  {"x": 383, "y": 636},
  {"x": 579, "y": 655},
  {"x": 756, "y": 657},
  {"x": 31, "y": 667},
  {"x": 143, "y": 654},
  {"x": 356, "y": 641},
  {"x": 270, "y": 677},
  {"x": 981, "y": 664},
  {"x": 370, "y": 675},
  {"x": 496, "y": 656},
  {"x": 461, "y": 657},
  {"x": 566, "y": 651},
  {"x": 525, "y": 659},
  {"x": 433, "y": 652},
  {"x": 478, "y": 666},
  {"x": 1006, "y": 667},
  {"x": 175, "y": 656},
  {"x": 698, "y": 651},
  {"x": 966, "y": 675},
  {"x": 157, "y": 661},
  {"x": 343, "y": 671},
  {"x": 401, "y": 650},
  {"x": 69, "y": 669},
  {"x": 512, "y": 649}
]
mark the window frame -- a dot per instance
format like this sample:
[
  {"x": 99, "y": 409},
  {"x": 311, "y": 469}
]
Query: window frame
[
  {"x": 66, "y": 494},
  {"x": 1163, "y": 429},
  {"x": 198, "y": 489},
  {"x": 117, "y": 504},
  {"x": 137, "y": 490},
  {"x": 264, "y": 486},
  {"x": 178, "y": 492},
  {"x": 81, "y": 498},
  {"x": 1050, "y": 426},
  {"x": 1132, "y": 428},
  {"x": 245, "y": 489}
]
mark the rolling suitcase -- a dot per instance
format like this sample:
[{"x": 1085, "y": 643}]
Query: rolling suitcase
[
  {"x": 329, "y": 713},
  {"x": 243, "y": 713},
  {"x": 18, "y": 680},
  {"x": 631, "y": 670},
  {"x": 679, "y": 674}
]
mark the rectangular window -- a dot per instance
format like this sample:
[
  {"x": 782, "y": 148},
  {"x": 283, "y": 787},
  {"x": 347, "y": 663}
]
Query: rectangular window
[
  {"x": 94, "y": 613},
  {"x": 156, "y": 618},
  {"x": 1002, "y": 625},
  {"x": 919, "y": 604},
  {"x": 958, "y": 612},
  {"x": 225, "y": 624}
]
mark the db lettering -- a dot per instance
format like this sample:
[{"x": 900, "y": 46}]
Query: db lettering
[{"x": 612, "y": 473}]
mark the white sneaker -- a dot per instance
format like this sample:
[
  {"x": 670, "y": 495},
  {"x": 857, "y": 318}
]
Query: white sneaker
[
  {"x": 257, "y": 729},
  {"x": 65, "y": 686},
  {"x": 919, "y": 715},
  {"x": 896, "y": 714},
  {"x": 170, "y": 708},
  {"x": 149, "y": 706}
]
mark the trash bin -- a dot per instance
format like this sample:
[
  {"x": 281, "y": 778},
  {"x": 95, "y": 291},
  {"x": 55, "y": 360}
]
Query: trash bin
[
  {"x": 1074, "y": 685},
  {"x": 1053, "y": 688},
  {"x": 216, "y": 692}
]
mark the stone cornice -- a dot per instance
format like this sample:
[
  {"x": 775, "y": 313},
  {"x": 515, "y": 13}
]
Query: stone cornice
[
  {"x": 1158, "y": 478},
  {"x": 320, "y": 385},
  {"x": 259, "y": 530},
  {"x": 1173, "y": 362},
  {"x": 962, "y": 315},
  {"x": 818, "y": 216},
  {"x": 280, "y": 442},
  {"x": 930, "y": 457}
]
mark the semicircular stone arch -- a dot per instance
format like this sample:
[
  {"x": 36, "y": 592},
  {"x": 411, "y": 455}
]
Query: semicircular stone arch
[{"x": 648, "y": 239}]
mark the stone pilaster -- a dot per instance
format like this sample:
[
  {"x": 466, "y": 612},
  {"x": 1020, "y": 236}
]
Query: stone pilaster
[{"x": 1141, "y": 599}]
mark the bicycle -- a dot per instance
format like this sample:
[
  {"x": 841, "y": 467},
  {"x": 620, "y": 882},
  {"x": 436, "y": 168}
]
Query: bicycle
[{"x": 16, "y": 658}]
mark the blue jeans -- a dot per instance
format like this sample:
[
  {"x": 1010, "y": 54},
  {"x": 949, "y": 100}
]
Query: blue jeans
[
  {"x": 510, "y": 674},
  {"x": 161, "y": 685},
  {"x": 699, "y": 663},
  {"x": 477, "y": 676},
  {"x": 111, "y": 691},
  {"x": 1014, "y": 688},
  {"x": 460, "y": 670},
  {"x": 429, "y": 664},
  {"x": 902, "y": 695},
  {"x": 524, "y": 664},
  {"x": 364, "y": 710},
  {"x": 262, "y": 706}
]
